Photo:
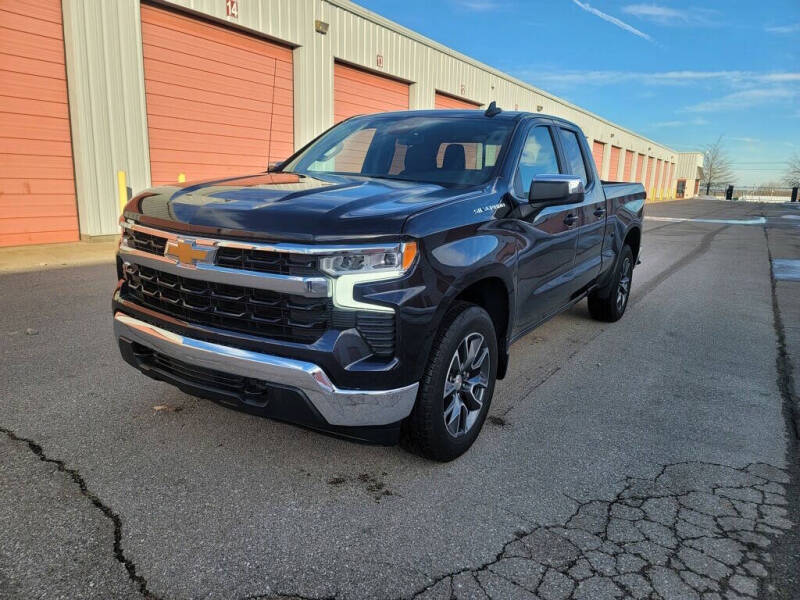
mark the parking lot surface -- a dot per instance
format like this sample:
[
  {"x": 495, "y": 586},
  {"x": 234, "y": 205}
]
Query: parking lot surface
[{"x": 653, "y": 457}]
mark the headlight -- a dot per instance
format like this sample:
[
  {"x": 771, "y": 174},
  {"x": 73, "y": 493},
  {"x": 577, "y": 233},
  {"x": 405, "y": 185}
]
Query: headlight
[
  {"x": 379, "y": 260},
  {"x": 364, "y": 264}
]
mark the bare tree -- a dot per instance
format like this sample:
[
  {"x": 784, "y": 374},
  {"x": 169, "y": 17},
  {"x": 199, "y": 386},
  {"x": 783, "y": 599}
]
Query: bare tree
[
  {"x": 792, "y": 177},
  {"x": 716, "y": 165}
]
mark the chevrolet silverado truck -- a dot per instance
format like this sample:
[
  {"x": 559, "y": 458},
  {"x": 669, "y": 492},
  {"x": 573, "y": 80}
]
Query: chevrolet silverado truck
[{"x": 372, "y": 284}]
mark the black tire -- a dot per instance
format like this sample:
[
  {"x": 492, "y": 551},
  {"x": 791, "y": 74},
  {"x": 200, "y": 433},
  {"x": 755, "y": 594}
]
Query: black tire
[
  {"x": 609, "y": 304},
  {"x": 425, "y": 431}
]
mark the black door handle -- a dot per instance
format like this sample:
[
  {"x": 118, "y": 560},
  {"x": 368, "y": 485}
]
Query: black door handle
[
  {"x": 599, "y": 211},
  {"x": 570, "y": 220}
]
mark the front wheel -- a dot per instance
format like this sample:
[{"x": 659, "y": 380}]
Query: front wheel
[
  {"x": 457, "y": 388},
  {"x": 609, "y": 303}
]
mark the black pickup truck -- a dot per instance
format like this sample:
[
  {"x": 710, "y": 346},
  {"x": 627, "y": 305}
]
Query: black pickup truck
[{"x": 372, "y": 284}]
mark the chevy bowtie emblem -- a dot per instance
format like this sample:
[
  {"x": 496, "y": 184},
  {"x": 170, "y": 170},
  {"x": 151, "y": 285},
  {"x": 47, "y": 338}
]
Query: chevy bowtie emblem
[{"x": 185, "y": 252}]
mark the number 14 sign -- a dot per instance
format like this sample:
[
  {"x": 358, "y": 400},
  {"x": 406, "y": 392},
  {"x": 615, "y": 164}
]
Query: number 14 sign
[{"x": 232, "y": 8}]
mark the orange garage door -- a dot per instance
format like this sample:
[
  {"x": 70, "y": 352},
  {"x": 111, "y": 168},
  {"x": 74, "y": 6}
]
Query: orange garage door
[
  {"x": 443, "y": 100},
  {"x": 613, "y": 168},
  {"x": 358, "y": 92},
  {"x": 657, "y": 180},
  {"x": 37, "y": 189},
  {"x": 219, "y": 102},
  {"x": 626, "y": 169},
  {"x": 598, "y": 149}
]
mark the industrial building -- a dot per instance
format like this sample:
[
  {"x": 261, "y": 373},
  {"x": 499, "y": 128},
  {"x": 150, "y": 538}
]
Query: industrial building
[
  {"x": 96, "y": 93},
  {"x": 689, "y": 174}
]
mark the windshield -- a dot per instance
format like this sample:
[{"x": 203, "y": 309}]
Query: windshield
[{"x": 444, "y": 150}]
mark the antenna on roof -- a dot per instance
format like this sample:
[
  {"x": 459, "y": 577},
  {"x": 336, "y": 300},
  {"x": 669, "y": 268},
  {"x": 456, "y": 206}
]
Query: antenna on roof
[{"x": 493, "y": 109}]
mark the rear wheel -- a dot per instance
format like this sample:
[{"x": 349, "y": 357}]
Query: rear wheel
[
  {"x": 609, "y": 303},
  {"x": 457, "y": 388}
]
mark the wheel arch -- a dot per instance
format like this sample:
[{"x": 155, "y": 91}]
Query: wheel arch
[
  {"x": 494, "y": 294},
  {"x": 633, "y": 238}
]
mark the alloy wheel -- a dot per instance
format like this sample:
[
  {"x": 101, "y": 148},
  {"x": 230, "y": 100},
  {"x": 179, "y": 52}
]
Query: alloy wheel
[
  {"x": 624, "y": 287},
  {"x": 465, "y": 384}
]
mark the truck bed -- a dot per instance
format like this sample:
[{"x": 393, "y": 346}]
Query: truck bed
[{"x": 624, "y": 191}]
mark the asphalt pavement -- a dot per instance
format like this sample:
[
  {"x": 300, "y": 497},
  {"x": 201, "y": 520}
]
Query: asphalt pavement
[{"x": 653, "y": 457}]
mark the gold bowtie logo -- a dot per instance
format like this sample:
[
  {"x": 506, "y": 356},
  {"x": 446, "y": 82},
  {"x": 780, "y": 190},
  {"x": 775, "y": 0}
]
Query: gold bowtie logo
[{"x": 185, "y": 252}]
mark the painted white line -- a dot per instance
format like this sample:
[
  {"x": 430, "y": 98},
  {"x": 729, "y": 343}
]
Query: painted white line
[
  {"x": 791, "y": 217},
  {"x": 786, "y": 269},
  {"x": 756, "y": 221}
]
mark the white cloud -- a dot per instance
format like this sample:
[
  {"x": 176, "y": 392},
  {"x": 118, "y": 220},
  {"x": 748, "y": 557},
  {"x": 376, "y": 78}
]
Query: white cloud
[
  {"x": 789, "y": 28},
  {"x": 670, "y": 124},
  {"x": 665, "y": 15},
  {"x": 654, "y": 12},
  {"x": 613, "y": 20},
  {"x": 566, "y": 79},
  {"x": 746, "y": 99}
]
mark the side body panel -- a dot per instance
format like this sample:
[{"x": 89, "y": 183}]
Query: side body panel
[
  {"x": 591, "y": 227},
  {"x": 548, "y": 241},
  {"x": 625, "y": 203}
]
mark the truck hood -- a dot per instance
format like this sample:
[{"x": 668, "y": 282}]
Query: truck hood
[{"x": 285, "y": 206}]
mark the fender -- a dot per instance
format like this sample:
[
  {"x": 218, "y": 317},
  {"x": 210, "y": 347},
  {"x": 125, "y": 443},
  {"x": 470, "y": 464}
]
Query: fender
[{"x": 494, "y": 266}]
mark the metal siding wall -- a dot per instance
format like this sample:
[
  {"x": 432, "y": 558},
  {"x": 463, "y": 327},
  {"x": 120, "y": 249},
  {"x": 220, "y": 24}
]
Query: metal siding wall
[
  {"x": 688, "y": 163},
  {"x": 104, "y": 63},
  {"x": 107, "y": 112}
]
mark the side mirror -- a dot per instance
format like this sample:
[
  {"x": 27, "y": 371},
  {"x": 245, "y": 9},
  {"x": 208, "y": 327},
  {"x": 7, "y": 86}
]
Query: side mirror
[{"x": 553, "y": 190}]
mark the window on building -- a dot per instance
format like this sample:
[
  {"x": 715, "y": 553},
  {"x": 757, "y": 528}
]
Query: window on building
[{"x": 538, "y": 158}]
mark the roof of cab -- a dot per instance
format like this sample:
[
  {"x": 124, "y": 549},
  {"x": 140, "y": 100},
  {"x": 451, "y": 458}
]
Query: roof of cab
[
  {"x": 449, "y": 112},
  {"x": 514, "y": 115}
]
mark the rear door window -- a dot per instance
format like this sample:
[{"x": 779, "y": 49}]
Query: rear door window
[{"x": 573, "y": 154}]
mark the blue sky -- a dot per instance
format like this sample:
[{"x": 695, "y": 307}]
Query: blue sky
[{"x": 682, "y": 73}]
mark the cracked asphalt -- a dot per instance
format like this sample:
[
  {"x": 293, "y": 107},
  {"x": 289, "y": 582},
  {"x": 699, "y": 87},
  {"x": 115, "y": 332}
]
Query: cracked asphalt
[{"x": 652, "y": 458}]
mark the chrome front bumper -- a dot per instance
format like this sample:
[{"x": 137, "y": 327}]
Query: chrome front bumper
[{"x": 339, "y": 407}]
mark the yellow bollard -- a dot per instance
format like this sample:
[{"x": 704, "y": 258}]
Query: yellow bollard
[
  {"x": 181, "y": 177},
  {"x": 122, "y": 189}
]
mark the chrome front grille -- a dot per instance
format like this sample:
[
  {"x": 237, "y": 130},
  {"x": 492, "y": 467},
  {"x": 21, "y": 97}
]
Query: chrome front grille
[
  {"x": 248, "y": 310},
  {"x": 146, "y": 242},
  {"x": 266, "y": 261},
  {"x": 232, "y": 257},
  {"x": 272, "y": 291}
]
